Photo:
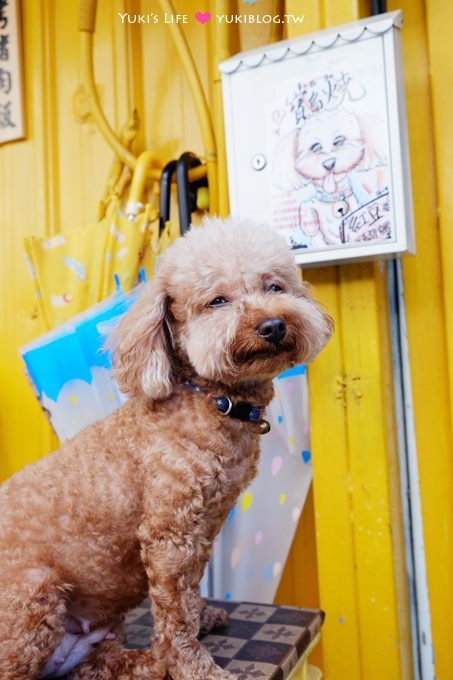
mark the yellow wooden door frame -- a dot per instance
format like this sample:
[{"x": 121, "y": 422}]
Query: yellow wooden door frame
[
  {"x": 360, "y": 546},
  {"x": 428, "y": 282}
]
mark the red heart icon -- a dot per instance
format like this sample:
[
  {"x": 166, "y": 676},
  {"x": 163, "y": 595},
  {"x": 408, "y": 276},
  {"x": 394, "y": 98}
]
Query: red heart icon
[{"x": 203, "y": 17}]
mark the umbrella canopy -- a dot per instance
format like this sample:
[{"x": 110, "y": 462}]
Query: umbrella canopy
[
  {"x": 80, "y": 391},
  {"x": 251, "y": 551}
]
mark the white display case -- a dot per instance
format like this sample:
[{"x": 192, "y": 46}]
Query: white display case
[{"x": 317, "y": 143}]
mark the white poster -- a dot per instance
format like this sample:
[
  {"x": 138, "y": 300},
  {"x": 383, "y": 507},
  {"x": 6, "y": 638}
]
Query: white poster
[{"x": 330, "y": 179}]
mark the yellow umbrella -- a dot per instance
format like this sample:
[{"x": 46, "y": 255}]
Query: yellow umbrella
[{"x": 75, "y": 269}]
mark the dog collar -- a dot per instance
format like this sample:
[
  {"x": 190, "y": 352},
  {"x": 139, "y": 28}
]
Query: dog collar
[
  {"x": 240, "y": 410},
  {"x": 332, "y": 198}
]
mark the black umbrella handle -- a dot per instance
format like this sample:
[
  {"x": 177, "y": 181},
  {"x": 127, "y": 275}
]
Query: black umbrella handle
[
  {"x": 165, "y": 194},
  {"x": 187, "y": 192}
]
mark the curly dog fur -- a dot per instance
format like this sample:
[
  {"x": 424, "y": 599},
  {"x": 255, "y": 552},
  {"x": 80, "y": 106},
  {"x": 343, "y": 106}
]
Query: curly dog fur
[{"x": 130, "y": 506}]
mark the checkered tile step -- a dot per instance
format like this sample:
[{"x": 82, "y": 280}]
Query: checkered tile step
[{"x": 263, "y": 642}]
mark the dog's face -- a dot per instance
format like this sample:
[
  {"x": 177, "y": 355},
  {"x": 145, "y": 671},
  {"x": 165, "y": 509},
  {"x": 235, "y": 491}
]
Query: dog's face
[
  {"x": 227, "y": 303},
  {"x": 331, "y": 143}
]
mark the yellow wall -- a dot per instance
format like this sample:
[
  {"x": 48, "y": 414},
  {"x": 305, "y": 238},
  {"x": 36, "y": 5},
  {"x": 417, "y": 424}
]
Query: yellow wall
[{"x": 347, "y": 555}]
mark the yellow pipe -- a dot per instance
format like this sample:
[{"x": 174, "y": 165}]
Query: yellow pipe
[
  {"x": 87, "y": 27},
  {"x": 87, "y": 23},
  {"x": 99, "y": 118},
  {"x": 201, "y": 105},
  {"x": 87, "y": 16},
  {"x": 222, "y": 37}
]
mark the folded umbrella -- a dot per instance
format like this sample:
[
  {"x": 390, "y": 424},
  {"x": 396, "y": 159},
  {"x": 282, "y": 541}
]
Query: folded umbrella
[{"x": 75, "y": 269}]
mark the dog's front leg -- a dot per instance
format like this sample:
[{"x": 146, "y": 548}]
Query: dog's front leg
[
  {"x": 210, "y": 617},
  {"x": 172, "y": 565},
  {"x": 175, "y": 535}
]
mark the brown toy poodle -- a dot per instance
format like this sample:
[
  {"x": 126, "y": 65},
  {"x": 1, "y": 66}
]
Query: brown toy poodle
[{"x": 130, "y": 507}]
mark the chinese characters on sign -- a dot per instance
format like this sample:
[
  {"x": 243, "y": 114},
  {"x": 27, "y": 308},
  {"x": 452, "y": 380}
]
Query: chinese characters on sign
[
  {"x": 326, "y": 93},
  {"x": 369, "y": 222},
  {"x": 11, "y": 107}
]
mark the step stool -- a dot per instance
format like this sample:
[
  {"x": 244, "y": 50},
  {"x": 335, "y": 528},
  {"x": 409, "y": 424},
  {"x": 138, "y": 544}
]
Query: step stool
[{"x": 261, "y": 642}]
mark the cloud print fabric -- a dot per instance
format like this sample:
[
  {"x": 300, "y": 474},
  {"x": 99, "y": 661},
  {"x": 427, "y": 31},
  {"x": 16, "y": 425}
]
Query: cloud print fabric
[{"x": 250, "y": 553}]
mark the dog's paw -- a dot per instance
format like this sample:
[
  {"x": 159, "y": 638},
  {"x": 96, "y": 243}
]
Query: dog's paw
[
  {"x": 213, "y": 617},
  {"x": 218, "y": 673}
]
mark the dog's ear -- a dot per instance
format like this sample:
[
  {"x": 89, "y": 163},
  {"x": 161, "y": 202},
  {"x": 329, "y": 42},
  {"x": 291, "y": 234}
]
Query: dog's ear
[
  {"x": 372, "y": 135},
  {"x": 140, "y": 343},
  {"x": 284, "y": 174}
]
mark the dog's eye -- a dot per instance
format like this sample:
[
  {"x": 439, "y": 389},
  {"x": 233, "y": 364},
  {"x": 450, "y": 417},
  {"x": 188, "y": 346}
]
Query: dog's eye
[
  {"x": 218, "y": 302},
  {"x": 274, "y": 288},
  {"x": 316, "y": 148},
  {"x": 339, "y": 141}
]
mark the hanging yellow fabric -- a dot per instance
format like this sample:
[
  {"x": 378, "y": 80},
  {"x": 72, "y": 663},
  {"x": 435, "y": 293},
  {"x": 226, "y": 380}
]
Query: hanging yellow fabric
[
  {"x": 169, "y": 234},
  {"x": 75, "y": 269}
]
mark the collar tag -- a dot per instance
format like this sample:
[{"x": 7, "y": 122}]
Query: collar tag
[
  {"x": 264, "y": 426},
  {"x": 224, "y": 405},
  {"x": 241, "y": 410}
]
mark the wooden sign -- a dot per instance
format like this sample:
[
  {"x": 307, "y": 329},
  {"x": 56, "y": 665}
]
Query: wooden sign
[{"x": 11, "y": 92}]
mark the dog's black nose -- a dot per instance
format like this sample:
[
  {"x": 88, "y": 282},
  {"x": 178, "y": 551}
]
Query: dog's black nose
[
  {"x": 272, "y": 330},
  {"x": 329, "y": 163}
]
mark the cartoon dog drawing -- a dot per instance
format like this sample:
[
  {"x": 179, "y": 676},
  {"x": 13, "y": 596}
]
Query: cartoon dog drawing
[{"x": 335, "y": 164}]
